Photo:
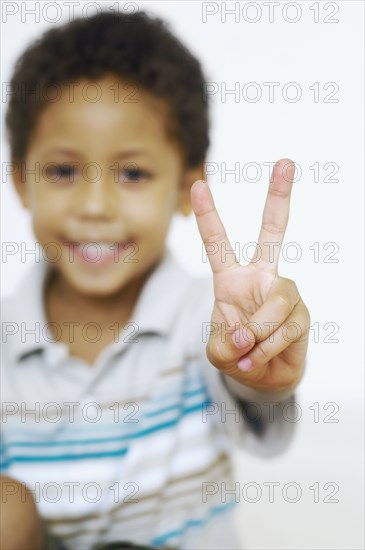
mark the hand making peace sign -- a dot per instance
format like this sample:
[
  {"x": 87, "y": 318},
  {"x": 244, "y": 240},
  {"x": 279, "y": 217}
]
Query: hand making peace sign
[{"x": 263, "y": 324}]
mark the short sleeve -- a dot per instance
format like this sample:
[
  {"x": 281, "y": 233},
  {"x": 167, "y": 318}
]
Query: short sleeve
[{"x": 259, "y": 424}]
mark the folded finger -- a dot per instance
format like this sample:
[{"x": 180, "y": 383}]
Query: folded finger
[{"x": 290, "y": 332}]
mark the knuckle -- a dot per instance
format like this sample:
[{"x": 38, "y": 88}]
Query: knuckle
[
  {"x": 273, "y": 228},
  {"x": 216, "y": 353},
  {"x": 288, "y": 288},
  {"x": 306, "y": 316},
  {"x": 261, "y": 354},
  {"x": 216, "y": 238},
  {"x": 285, "y": 300},
  {"x": 277, "y": 192},
  {"x": 290, "y": 285}
]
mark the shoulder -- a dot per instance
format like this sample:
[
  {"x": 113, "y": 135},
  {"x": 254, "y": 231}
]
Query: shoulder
[
  {"x": 22, "y": 316},
  {"x": 196, "y": 293},
  {"x": 199, "y": 298}
]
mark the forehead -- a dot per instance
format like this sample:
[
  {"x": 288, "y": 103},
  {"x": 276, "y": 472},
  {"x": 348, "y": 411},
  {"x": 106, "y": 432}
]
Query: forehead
[{"x": 97, "y": 112}]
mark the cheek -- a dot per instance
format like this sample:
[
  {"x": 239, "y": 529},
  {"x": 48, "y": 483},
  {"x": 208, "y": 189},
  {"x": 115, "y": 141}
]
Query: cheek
[
  {"x": 152, "y": 212},
  {"x": 48, "y": 213}
]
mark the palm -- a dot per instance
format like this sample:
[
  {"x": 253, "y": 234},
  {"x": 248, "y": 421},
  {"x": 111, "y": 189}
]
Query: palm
[
  {"x": 253, "y": 299},
  {"x": 240, "y": 293}
]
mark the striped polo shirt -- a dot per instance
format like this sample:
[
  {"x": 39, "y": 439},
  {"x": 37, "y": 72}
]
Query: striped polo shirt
[{"x": 138, "y": 446}]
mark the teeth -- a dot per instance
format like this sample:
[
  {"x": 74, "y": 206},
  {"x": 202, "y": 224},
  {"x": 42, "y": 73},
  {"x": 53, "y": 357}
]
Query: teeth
[
  {"x": 104, "y": 247},
  {"x": 93, "y": 243}
]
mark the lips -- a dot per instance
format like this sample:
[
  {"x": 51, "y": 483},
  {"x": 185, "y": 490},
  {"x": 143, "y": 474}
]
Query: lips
[{"x": 97, "y": 252}]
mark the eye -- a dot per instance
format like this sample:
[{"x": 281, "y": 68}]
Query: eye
[
  {"x": 58, "y": 172},
  {"x": 129, "y": 175}
]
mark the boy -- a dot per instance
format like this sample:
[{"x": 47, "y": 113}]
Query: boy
[{"x": 119, "y": 417}]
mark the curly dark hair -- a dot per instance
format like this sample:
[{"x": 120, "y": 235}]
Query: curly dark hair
[{"x": 136, "y": 47}]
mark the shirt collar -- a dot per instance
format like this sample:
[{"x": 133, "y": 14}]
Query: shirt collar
[
  {"x": 161, "y": 296},
  {"x": 156, "y": 307}
]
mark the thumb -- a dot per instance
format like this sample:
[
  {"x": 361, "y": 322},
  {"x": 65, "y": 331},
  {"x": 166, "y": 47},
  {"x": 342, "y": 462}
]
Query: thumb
[{"x": 226, "y": 347}]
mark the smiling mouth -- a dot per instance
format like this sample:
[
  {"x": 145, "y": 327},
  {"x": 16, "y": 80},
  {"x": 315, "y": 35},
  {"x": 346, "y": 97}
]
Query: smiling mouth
[{"x": 98, "y": 253}]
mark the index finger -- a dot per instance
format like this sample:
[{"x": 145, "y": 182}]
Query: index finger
[
  {"x": 275, "y": 216},
  {"x": 219, "y": 250}
]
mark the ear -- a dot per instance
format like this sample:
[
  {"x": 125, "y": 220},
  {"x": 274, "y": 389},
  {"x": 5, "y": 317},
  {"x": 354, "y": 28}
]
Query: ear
[
  {"x": 188, "y": 178},
  {"x": 19, "y": 183}
]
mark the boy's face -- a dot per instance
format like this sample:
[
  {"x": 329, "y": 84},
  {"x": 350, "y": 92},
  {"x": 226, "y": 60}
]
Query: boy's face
[{"x": 119, "y": 180}]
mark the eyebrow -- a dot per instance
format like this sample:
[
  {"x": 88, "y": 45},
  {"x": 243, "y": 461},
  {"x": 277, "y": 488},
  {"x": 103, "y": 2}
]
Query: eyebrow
[
  {"x": 130, "y": 153},
  {"x": 119, "y": 155},
  {"x": 63, "y": 151}
]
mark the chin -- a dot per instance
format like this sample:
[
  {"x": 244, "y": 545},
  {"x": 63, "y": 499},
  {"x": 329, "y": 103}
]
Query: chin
[
  {"x": 98, "y": 284},
  {"x": 94, "y": 291}
]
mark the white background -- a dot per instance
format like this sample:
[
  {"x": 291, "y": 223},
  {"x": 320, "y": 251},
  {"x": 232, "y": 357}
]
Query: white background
[{"x": 236, "y": 49}]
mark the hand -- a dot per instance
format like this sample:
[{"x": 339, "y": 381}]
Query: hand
[{"x": 259, "y": 324}]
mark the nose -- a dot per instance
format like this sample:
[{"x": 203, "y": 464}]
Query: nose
[{"x": 96, "y": 199}]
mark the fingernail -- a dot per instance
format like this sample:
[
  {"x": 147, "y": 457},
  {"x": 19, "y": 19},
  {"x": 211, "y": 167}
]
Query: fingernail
[
  {"x": 244, "y": 364},
  {"x": 239, "y": 339}
]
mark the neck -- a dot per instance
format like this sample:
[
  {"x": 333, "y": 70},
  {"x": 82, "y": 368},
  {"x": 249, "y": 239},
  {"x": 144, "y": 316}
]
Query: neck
[{"x": 64, "y": 301}]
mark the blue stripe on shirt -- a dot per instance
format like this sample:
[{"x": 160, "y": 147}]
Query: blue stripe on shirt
[
  {"x": 105, "y": 454},
  {"x": 161, "y": 539}
]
